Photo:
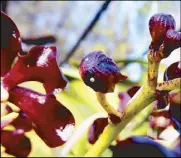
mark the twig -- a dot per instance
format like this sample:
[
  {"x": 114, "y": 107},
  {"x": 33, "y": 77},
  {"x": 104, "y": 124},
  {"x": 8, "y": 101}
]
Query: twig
[
  {"x": 128, "y": 61},
  {"x": 169, "y": 85},
  {"x": 87, "y": 30},
  {"x": 39, "y": 40},
  {"x": 112, "y": 113},
  {"x": 4, "y": 5}
]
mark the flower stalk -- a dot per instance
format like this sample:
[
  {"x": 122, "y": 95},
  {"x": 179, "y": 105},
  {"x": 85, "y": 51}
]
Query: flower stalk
[
  {"x": 169, "y": 85},
  {"x": 114, "y": 115},
  {"x": 136, "y": 105}
]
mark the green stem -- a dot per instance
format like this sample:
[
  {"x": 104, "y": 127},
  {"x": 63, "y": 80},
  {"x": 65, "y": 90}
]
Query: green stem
[
  {"x": 169, "y": 85},
  {"x": 142, "y": 98},
  {"x": 101, "y": 97},
  {"x": 128, "y": 61},
  {"x": 153, "y": 67}
]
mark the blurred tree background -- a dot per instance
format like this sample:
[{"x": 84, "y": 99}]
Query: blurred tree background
[{"x": 121, "y": 32}]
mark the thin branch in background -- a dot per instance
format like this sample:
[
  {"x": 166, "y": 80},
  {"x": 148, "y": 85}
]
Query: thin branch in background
[
  {"x": 87, "y": 31},
  {"x": 4, "y": 5},
  {"x": 39, "y": 40}
]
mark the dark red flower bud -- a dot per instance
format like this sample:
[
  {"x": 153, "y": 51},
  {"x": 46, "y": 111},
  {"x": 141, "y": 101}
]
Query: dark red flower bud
[
  {"x": 15, "y": 143},
  {"x": 162, "y": 30},
  {"x": 173, "y": 71},
  {"x": 159, "y": 24},
  {"x": 96, "y": 129},
  {"x": 51, "y": 120},
  {"x": 22, "y": 122},
  {"x": 10, "y": 43},
  {"x": 38, "y": 65},
  {"x": 100, "y": 72}
]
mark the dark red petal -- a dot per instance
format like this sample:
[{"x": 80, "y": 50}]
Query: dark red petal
[
  {"x": 96, "y": 129},
  {"x": 10, "y": 43},
  {"x": 22, "y": 122},
  {"x": 140, "y": 146},
  {"x": 100, "y": 72},
  {"x": 162, "y": 98},
  {"x": 164, "y": 116},
  {"x": 51, "y": 120},
  {"x": 132, "y": 90},
  {"x": 15, "y": 143},
  {"x": 175, "y": 111},
  {"x": 38, "y": 65},
  {"x": 159, "y": 24},
  {"x": 8, "y": 109},
  {"x": 173, "y": 71}
]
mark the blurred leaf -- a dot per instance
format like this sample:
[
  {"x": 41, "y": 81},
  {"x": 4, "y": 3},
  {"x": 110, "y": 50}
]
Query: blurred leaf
[
  {"x": 71, "y": 72},
  {"x": 107, "y": 153},
  {"x": 39, "y": 148}
]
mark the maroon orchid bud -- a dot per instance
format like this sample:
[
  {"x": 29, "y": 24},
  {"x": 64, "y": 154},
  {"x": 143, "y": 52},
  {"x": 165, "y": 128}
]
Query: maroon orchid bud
[
  {"x": 96, "y": 129},
  {"x": 162, "y": 30},
  {"x": 100, "y": 72},
  {"x": 173, "y": 71},
  {"x": 38, "y": 65},
  {"x": 10, "y": 43},
  {"x": 22, "y": 122},
  {"x": 51, "y": 120},
  {"x": 16, "y": 143},
  {"x": 159, "y": 24}
]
